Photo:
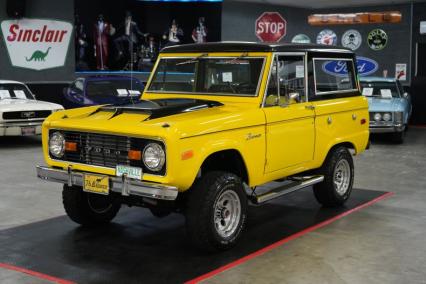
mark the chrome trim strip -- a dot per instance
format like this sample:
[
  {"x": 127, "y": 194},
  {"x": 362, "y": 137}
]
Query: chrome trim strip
[{"x": 121, "y": 185}]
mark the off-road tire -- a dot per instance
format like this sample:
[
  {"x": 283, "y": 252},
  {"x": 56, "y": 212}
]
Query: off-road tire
[
  {"x": 80, "y": 206},
  {"x": 200, "y": 210},
  {"x": 326, "y": 192}
]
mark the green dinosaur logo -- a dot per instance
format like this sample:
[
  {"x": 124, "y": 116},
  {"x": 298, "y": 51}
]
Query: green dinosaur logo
[{"x": 38, "y": 55}]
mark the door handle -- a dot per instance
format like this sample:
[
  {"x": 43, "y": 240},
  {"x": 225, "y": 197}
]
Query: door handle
[{"x": 310, "y": 107}]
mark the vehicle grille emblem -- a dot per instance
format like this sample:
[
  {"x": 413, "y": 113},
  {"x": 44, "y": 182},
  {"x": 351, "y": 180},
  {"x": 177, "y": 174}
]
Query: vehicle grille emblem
[{"x": 28, "y": 114}]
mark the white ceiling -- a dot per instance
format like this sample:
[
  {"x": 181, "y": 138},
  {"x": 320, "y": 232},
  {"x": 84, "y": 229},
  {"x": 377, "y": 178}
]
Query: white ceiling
[{"x": 318, "y": 4}]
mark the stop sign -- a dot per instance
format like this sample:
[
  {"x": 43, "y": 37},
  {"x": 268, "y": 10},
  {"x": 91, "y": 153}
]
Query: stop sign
[{"x": 271, "y": 27}]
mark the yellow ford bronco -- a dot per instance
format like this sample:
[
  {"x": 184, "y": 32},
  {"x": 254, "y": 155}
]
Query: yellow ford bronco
[{"x": 219, "y": 126}]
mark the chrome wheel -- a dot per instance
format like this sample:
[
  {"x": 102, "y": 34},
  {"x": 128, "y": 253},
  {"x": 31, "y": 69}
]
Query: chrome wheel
[
  {"x": 227, "y": 213},
  {"x": 342, "y": 177}
]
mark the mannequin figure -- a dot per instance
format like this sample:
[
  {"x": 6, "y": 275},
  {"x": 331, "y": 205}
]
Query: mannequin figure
[
  {"x": 102, "y": 30},
  {"x": 173, "y": 35},
  {"x": 199, "y": 34}
]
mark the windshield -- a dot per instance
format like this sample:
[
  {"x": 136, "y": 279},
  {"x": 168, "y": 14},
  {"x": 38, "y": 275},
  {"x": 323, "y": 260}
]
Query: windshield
[
  {"x": 384, "y": 90},
  {"x": 15, "y": 91},
  {"x": 233, "y": 76},
  {"x": 115, "y": 88}
]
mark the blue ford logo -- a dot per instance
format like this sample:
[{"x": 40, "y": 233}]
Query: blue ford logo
[{"x": 366, "y": 66}]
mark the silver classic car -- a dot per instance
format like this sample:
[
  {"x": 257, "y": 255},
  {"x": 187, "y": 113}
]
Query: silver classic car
[{"x": 389, "y": 106}]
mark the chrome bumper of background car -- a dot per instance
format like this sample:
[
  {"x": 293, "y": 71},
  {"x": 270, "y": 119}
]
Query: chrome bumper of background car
[
  {"x": 387, "y": 128},
  {"x": 123, "y": 185}
]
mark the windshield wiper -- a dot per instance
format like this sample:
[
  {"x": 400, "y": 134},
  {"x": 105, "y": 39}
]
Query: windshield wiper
[
  {"x": 234, "y": 60},
  {"x": 192, "y": 60}
]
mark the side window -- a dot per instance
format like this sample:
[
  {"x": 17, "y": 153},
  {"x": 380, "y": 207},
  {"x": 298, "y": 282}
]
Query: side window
[
  {"x": 289, "y": 87},
  {"x": 334, "y": 76}
]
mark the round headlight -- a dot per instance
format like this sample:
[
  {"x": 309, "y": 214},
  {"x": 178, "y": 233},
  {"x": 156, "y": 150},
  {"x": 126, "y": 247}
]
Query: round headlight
[
  {"x": 387, "y": 117},
  {"x": 154, "y": 157},
  {"x": 57, "y": 144},
  {"x": 377, "y": 117}
]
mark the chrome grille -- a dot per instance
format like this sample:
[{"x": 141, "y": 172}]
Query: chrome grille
[{"x": 99, "y": 149}]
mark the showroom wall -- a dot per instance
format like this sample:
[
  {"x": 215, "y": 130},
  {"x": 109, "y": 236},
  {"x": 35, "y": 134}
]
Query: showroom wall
[
  {"x": 50, "y": 9},
  {"x": 238, "y": 23}
]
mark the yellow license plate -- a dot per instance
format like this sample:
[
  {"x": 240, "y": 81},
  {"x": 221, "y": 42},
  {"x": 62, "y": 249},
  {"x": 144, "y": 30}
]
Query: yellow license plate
[{"x": 96, "y": 184}]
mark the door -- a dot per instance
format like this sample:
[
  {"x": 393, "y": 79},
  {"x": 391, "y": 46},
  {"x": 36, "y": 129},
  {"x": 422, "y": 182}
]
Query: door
[{"x": 290, "y": 131}]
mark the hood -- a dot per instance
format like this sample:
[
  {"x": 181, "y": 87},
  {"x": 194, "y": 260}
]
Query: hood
[
  {"x": 379, "y": 104},
  {"x": 107, "y": 99},
  {"x": 7, "y": 105},
  {"x": 183, "y": 117}
]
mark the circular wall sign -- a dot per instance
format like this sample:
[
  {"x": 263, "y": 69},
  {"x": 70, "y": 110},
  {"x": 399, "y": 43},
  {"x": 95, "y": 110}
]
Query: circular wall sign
[
  {"x": 351, "y": 39},
  {"x": 327, "y": 37},
  {"x": 377, "y": 39},
  {"x": 301, "y": 38}
]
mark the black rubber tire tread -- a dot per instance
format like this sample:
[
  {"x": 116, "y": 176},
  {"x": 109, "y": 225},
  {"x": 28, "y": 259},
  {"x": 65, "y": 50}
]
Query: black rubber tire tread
[
  {"x": 77, "y": 208},
  {"x": 325, "y": 192},
  {"x": 199, "y": 210}
]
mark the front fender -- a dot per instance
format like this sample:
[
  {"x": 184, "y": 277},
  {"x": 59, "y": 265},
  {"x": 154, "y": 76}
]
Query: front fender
[{"x": 252, "y": 151}]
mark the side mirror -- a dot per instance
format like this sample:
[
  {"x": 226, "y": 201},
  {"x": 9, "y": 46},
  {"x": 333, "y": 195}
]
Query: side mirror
[
  {"x": 405, "y": 95},
  {"x": 294, "y": 96}
]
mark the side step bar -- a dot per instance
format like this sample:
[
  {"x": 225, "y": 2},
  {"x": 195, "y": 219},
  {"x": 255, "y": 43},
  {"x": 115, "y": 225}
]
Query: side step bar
[{"x": 296, "y": 184}]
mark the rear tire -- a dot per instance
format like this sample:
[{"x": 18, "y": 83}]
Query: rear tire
[
  {"x": 216, "y": 211},
  {"x": 88, "y": 209},
  {"x": 338, "y": 172}
]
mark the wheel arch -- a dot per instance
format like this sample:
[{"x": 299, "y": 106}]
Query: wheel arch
[{"x": 229, "y": 160}]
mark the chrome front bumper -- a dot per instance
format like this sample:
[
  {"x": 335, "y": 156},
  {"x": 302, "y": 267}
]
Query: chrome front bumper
[
  {"x": 123, "y": 185},
  {"x": 386, "y": 128}
]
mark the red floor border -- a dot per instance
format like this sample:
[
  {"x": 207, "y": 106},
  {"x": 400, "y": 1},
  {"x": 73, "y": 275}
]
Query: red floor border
[
  {"x": 285, "y": 240},
  {"x": 35, "y": 274}
]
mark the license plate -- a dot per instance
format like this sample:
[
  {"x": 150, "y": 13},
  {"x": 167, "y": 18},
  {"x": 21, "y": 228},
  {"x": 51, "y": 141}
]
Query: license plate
[
  {"x": 131, "y": 172},
  {"x": 96, "y": 184},
  {"x": 28, "y": 131}
]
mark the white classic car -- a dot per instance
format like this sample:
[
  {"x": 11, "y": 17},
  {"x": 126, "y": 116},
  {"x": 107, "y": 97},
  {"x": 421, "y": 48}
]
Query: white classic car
[{"x": 20, "y": 113}]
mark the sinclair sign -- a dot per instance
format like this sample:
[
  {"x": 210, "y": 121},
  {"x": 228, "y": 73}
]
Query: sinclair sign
[{"x": 37, "y": 44}]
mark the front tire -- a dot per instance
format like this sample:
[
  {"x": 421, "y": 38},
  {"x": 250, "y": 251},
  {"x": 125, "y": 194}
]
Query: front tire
[
  {"x": 88, "y": 209},
  {"x": 216, "y": 211},
  {"x": 338, "y": 172}
]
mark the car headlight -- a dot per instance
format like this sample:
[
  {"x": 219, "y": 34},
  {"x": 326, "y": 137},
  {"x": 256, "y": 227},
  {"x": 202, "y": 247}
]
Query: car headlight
[
  {"x": 387, "y": 117},
  {"x": 57, "y": 144},
  {"x": 377, "y": 117},
  {"x": 154, "y": 157}
]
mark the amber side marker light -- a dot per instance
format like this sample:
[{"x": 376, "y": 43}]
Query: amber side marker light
[
  {"x": 70, "y": 146},
  {"x": 135, "y": 155},
  {"x": 187, "y": 155}
]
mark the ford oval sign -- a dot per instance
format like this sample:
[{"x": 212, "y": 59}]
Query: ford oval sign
[{"x": 366, "y": 66}]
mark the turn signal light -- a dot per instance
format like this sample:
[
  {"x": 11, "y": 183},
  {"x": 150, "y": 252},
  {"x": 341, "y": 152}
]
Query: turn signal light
[
  {"x": 363, "y": 121},
  {"x": 70, "y": 146},
  {"x": 187, "y": 155},
  {"x": 135, "y": 155}
]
